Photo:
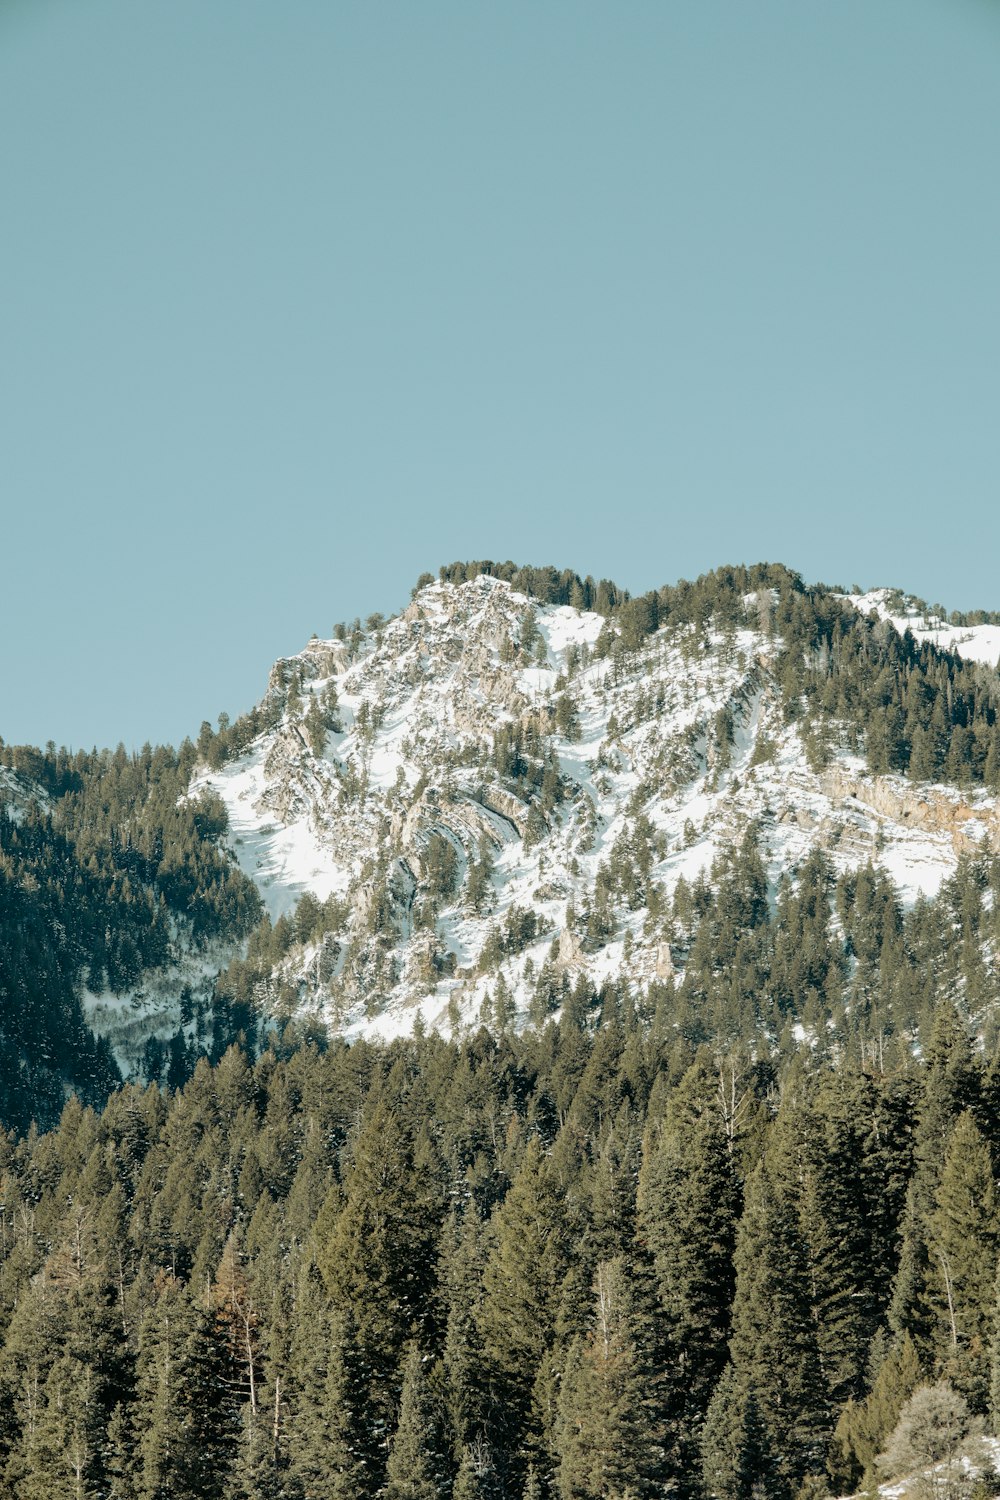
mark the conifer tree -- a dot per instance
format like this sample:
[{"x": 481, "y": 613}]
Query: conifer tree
[
  {"x": 64, "y": 1449},
  {"x": 184, "y": 1416},
  {"x": 477, "y": 1476},
  {"x": 736, "y": 1462},
  {"x": 951, "y": 1085},
  {"x": 824, "y": 1153},
  {"x": 611, "y": 1188},
  {"x": 414, "y": 1469},
  {"x": 688, "y": 1209},
  {"x": 608, "y": 1435},
  {"x": 378, "y": 1261},
  {"x": 120, "y": 1462},
  {"x": 306, "y": 1419},
  {"x": 466, "y": 1396},
  {"x": 994, "y": 1406},
  {"x": 773, "y": 1342},
  {"x": 964, "y": 1245},
  {"x": 909, "y": 1312},
  {"x": 532, "y": 1485},
  {"x": 348, "y": 1447},
  {"x": 521, "y": 1284},
  {"x": 864, "y": 1427}
]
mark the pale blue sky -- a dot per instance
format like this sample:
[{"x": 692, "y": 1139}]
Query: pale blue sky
[{"x": 300, "y": 299}]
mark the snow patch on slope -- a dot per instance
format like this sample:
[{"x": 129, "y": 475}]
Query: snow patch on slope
[
  {"x": 282, "y": 859},
  {"x": 972, "y": 642}
]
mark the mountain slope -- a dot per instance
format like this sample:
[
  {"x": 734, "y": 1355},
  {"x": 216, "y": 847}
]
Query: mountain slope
[{"x": 508, "y": 784}]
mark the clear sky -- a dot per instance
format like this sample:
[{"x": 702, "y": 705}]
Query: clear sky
[{"x": 300, "y": 299}]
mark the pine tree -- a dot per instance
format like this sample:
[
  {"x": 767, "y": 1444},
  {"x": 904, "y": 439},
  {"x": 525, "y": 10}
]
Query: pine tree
[
  {"x": 532, "y": 1487},
  {"x": 994, "y": 1407},
  {"x": 964, "y": 1245},
  {"x": 378, "y": 1261},
  {"x": 64, "y": 1449},
  {"x": 951, "y": 1085},
  {"x": 477, "y": 1476},
  {"x": 773, "y": 1342},
  {"x": 826, "y": 1156},
  {"x": 414, "y": 1470},
  {"x": 736, "y": 1461},
  {"x": 608, "y": 1434},
  {"x": 355, "y": 1437},
  {"x": 521, "y": 1284},
  {"x": 611, "y": 1188},
  {"x": 864, "y": 1427},
  {"x": 688, "y": 1208},
  {"x": 183, "y": 1417},
  {"x": 236, "y": 1330},
  {"x": 466, "y": 1397},
  {"x": 306, "y": 1421}
]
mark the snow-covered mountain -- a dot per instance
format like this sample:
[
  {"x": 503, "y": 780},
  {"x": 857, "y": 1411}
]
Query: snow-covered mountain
[{"x": 475, "y": 793}]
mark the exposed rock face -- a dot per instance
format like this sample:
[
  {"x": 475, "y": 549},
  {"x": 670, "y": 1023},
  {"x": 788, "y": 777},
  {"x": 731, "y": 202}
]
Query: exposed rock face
[
  {"x": 320, "y": 659},
  {"x": 570, "y": 949},
  {"x": 967, "y": 820},
  {"x": 510, "y": 809},
  {"x": 468, "y": 821},
  {"x": 664, "y": 962}
]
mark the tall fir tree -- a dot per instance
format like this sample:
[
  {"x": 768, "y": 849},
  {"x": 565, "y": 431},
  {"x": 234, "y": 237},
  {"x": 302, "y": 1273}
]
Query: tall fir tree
[
  {"x": 415, "y": 1468},
  {"x": 522, "y": 1280},
  {"x": 376, "y": 1253},
  {"x": 963, "y": 1250},
  {"x": 608, "y": 1437},
  {"x": 737, "y": 1462},
  {"x": 689, "y": 1202},
  {"x": 773, "y": 1345}
]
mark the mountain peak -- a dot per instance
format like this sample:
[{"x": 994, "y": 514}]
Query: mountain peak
[{"x": 491, "y": 786}]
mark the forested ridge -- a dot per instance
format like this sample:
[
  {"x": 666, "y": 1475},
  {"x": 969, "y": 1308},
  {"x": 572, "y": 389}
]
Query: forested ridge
[{"x": 909, "y": 705}]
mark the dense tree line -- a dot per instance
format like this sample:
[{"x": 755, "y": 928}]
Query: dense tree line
[
  {"x": 547, "y": 584},
  {"x": 578, "y": 1263},
  {"x": 45, "y": 1042}
]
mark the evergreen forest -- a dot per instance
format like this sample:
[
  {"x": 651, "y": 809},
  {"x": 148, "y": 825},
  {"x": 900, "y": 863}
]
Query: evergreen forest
[{"x": 576, "y": 1263}]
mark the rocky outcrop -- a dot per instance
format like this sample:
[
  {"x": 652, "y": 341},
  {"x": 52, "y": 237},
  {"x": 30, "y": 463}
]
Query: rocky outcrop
[
  {"x": 966, "y": 820},
  {"x": 570, "y": 954},
  {"x": 319, "y": 660},
  {"x": 664, "y": 962},
  {"x": 467, "y": 820},
  {"x": 285, "y": 770}
]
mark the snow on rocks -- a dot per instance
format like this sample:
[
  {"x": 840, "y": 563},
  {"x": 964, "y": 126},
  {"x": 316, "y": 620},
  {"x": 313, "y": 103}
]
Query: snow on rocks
[{"x": 678, "y": 748}]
